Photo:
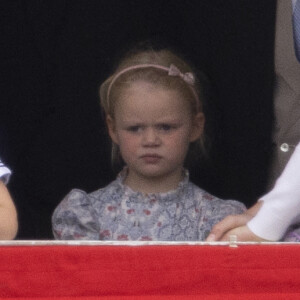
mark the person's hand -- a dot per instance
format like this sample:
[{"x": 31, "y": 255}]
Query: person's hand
[
  {"x": 243, "y": 234},
  {"x": 235, "y": 225}
]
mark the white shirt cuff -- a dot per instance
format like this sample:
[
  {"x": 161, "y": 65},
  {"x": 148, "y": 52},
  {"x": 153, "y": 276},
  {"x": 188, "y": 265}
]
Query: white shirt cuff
[
  {"x": 5, "y": 174},
  {"x": 270, "y": 223},
  {"x": 281, "y": 207}
]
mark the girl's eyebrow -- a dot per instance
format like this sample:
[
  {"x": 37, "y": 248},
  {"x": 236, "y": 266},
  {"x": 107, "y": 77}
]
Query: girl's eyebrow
[
  {"x": 155, "y": 122},
  {"x": 133, "y": 121}
]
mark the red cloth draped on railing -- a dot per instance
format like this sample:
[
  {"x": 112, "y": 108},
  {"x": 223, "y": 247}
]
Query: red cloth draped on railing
[{"x": 150, "y": 272}]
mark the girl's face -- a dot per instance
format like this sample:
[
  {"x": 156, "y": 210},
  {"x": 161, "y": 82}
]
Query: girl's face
[{"x": 153, "y": 127}]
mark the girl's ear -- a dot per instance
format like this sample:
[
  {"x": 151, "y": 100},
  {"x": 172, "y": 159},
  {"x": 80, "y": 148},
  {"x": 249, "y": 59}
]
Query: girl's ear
[
  {"x": 112, "y": 129},
  {"x": 197, "y": 126}
]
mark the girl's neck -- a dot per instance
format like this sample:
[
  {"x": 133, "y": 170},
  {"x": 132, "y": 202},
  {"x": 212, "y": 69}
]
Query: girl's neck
[{"x": 151, "y": 185}]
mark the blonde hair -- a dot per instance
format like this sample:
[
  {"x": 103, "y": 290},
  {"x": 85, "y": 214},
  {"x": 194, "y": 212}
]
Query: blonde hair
[{"x": 153, "y": 67}]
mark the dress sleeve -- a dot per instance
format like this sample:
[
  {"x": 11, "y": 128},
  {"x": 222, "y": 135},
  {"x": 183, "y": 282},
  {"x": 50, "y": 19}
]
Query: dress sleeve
[
  {"x": 281, "y": 206},
  {"x": 224, "y": 208},
  {"x": 75, "y": 218},
  {"x": 217, "y": 210}
]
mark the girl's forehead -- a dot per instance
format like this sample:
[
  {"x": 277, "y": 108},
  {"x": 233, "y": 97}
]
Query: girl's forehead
[
  {"x": 143, "y": 86},
  {"x": 148, "y": 95},
  {"x": 145, "y": 99},
  {"x": 146, "y": 89}
]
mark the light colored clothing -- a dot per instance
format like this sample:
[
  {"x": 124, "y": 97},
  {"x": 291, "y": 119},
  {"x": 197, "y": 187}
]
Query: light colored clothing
[
  {"x": 286, "y": 133},
  {"x": 4, "y": 172},
  {"x": 281, "y": 207},
  {"x": 116, "y": 212}
]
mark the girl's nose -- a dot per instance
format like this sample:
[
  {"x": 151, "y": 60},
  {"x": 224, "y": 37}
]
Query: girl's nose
[{"x": 150, "y": 137}]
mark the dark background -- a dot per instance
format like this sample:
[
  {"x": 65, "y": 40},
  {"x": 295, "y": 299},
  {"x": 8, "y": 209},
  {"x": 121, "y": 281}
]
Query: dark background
[{"x": 55, "y": 54}]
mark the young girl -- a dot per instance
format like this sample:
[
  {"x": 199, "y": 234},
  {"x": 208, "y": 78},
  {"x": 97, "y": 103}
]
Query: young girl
[{"x": 153, "y": 107}]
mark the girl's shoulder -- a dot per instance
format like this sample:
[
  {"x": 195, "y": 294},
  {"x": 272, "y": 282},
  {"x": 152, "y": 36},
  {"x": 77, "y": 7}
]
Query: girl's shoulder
[
  {"x": 205, "y": 198},
  {"x": 112, "y": 190},
  {"x": 200, "y": 194},
  {"x": 80, "y": 197},
  {"x": 75, "y": 198}
]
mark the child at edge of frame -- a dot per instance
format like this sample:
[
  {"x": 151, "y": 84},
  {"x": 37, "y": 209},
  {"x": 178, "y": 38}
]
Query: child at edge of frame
[
  {"x": 153, "y": 104},
  {"x": 8, "y": 212}
]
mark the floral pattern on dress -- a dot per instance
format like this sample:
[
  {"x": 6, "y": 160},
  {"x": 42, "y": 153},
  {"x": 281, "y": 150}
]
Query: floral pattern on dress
[{"x": 116, "y": 212}]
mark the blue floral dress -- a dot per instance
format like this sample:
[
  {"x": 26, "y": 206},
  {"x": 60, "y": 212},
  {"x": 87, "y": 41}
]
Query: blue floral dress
[{"x": 116, "y": 212}]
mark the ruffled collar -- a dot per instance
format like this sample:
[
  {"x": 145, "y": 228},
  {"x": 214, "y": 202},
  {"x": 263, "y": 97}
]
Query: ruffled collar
[{"x": 136, "y": 196}]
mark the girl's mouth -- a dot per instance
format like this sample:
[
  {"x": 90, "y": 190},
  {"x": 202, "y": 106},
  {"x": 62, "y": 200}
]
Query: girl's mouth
[{"x": 151, "y": 158}]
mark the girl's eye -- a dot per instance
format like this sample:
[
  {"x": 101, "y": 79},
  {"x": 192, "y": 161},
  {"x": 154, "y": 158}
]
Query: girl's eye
[
  {"x": 166, "y": 127},
  {"x": 134, "y": 128}
]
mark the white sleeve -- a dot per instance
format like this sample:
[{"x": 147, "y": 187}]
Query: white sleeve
[
  {"x": 281, "y": 206},
  {"x": 4, "y": 172}
]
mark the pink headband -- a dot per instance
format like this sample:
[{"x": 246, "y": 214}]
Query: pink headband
[{"x": 172, "y": 71}]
